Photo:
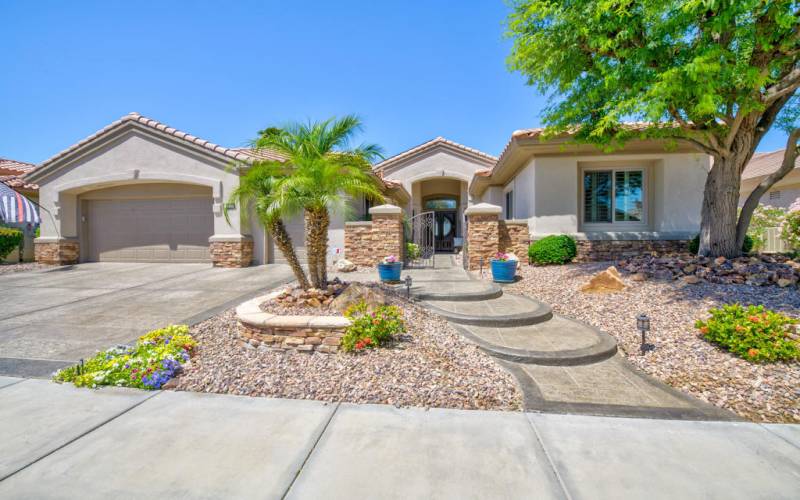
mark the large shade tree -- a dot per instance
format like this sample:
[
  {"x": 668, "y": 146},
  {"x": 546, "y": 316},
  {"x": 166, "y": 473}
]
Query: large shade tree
[
  {"x": 716, "y": 73},
  {"x": 326, "y": 171}
]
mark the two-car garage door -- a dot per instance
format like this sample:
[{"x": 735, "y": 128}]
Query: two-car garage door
[{"x": 149, "y": 230}]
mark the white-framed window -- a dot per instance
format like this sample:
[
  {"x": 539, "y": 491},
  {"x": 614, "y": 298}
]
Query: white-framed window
[
  {"x": 509, "y": 204},
  {"x": 615, "y": 196}
]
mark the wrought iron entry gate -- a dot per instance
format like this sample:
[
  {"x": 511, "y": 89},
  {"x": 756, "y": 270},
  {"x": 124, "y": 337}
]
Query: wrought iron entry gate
[{"x": 419, "y": 232}]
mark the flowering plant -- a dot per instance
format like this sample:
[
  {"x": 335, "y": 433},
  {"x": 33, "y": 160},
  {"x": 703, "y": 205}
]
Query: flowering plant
[
  {"x": 149, "y": 364},
  {"x": 753, "y": 333},
  {"x": 367, "y": 329},
  {"x": 500, "y": 256},
  {"x": 390, "y": 259}
]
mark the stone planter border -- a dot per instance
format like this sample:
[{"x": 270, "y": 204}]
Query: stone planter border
[{"x": 281, "y": 333}]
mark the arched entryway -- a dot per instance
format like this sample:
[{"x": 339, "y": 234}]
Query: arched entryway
[{"x": 446, "y": 197}]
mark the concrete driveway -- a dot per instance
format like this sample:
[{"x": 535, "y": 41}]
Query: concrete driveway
[{"x": 52, "y": 318}]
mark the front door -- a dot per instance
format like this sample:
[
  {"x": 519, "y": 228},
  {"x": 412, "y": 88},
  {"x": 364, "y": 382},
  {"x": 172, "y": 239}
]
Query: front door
[{"x": 444, "y": 230}]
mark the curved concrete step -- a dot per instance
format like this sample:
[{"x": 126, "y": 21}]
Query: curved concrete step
[
  {"x": 558, "y": 342},
  {"x": 503, "y": 311},
  {"x": 457, "y": 291}
]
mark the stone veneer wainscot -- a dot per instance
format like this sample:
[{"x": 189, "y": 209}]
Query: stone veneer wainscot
[
  {"x": 281, "y": 333},
  {"x": 232, "y": 253},
  {"x": 58, "y": 251}
]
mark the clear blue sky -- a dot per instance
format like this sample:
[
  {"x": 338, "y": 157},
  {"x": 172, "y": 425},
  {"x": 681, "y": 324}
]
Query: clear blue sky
[{"x": 223, "y": 70}]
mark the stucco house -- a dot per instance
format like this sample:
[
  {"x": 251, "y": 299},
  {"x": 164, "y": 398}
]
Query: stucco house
[
  {"x": 139, "y": 190},
  {"x": 783, "y": 193},
  {"x": 645, "y": 197}
]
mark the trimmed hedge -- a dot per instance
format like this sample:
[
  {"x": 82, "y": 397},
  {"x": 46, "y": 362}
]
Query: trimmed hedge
[
  {"x": 556, "y": 249},
  {"x": 694, "y": 245},
  {"x": 10, "y": 240}
]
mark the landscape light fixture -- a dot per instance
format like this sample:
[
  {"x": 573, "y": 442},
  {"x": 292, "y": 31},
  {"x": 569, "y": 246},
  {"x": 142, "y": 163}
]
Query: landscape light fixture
[
  {"x": 408, "y": 286},
  {"x": 643, "y": 324}
]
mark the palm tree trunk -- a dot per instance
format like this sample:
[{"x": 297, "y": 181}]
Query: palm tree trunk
[
  {"x": 317, "y": 221},
  {"x": 284, "y": 243}
]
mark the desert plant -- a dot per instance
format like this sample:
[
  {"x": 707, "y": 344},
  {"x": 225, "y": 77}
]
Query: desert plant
[
  {"x": 326, "y": 172},
  {"x": 753, "y": 333},
  {"x": 555, "y": 249},
  {"x": 156, "y": 357},
  {"x": 412, "y": 251},
  {"x": 370, "y": 329},
  {"x": 10, "y": 240},
  {"x": 694, "y": 244}
]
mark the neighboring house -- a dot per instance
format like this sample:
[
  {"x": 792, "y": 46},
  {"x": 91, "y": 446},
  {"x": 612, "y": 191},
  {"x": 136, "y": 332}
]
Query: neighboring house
[
  {"x": 11, "y": 173},
  {"x": 642, "y": 198},
  {"x": 783, "y": 192},
  {"x": 139, "y": 190}
]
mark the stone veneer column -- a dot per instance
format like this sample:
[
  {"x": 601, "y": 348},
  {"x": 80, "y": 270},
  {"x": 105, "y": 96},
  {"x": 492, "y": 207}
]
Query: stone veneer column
[
  {"x": 483, "y": 233},
  {"x": 231, "y": 251},
  {"x": 387, "y": 232},
  {"x": 366, "y": 243},
  {"x": 56, "y": 251}
]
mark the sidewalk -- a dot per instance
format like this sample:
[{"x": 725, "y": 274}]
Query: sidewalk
[{"x": 62, "y": 442}]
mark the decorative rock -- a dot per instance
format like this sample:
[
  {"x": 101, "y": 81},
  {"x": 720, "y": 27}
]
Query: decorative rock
[
  {"x": 345, "y": 266},
  {"x": 663, "y": 275},
  {"x": 783, "y": 283},
  {"x": 314, "y": 302},
  {"x": 640, "y": 276},
  {"x": 355, "y": 293},
  {"x": 691, "y": 280},
  {"x": 720, "y": 260},
  {"x": 605, "y": 282}
]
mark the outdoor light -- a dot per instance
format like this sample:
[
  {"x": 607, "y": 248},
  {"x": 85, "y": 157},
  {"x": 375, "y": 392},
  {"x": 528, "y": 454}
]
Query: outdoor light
[
  {"x": 643, "y": 323},
  {"x": 408, "y": 286}
]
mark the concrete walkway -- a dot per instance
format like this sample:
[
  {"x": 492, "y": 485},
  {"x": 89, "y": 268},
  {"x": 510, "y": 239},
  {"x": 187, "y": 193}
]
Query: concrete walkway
[
  {"x": 63, "y": 442},
  {"x": 54, "y": 317},
  {"x": 561, "y": 364}
]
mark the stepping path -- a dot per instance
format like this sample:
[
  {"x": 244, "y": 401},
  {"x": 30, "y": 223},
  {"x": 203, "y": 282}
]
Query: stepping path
[{"x": 562, "y": 365}]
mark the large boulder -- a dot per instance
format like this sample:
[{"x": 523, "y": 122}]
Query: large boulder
[
  {"x": 607, "y": 281},
  {"x": 357, "y": 292}
]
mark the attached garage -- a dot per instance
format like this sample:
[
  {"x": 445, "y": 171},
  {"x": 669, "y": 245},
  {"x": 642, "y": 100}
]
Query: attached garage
[{"x": 147, "y": 223}]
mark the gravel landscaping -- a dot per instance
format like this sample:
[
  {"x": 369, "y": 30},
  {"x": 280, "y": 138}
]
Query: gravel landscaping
[
  {"x": 430, "y": 366},
  {"x": 20, "y": 267},
  {"x": 762, "y": 393}
]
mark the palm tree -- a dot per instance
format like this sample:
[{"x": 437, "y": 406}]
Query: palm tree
[
  {"x": 326, "y": 172},
  {"x": 256, "y": 190}
]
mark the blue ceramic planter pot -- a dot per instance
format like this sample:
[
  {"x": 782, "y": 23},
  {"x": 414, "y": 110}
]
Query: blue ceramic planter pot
[
  {"x": 390, "y": 272},
  {"x": 503, "y": 272}
]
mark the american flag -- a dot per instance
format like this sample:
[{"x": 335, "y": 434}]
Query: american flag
[{"x": 15, "y": 208}]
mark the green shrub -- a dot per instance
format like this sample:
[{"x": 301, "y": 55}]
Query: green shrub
[
  {"x": 694, "y": 244},
  {"x": 156, "y": 357},
  {"x": 556, "y": 249},
  {"x": 10, "y": 240},
  {"x": 764, "y": 216},
  {"x": 371, "y": 329},
  {"x": 790, "y": 232},
  {"x": 753, "y": 333},
  {"x": 412, "y": 251}
]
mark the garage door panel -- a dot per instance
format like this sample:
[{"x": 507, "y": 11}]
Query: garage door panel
[{"x": 162, "y": 230}]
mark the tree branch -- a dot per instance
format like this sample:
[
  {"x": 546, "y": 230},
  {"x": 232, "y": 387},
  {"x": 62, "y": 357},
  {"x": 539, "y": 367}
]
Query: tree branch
[
  {"x": 788, "y": 84},
  {"x": 789, "y": 158}
]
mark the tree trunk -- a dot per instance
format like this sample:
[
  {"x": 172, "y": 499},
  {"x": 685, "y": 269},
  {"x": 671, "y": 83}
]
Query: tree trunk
[
  {"x": 720, "y": 207},
  {"x": 284, "y": 243},
  {"x": 317, "y": 221}
]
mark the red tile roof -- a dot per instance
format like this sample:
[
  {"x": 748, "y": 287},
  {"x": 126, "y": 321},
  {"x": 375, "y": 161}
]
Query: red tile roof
[{"x": 12, "y": 171}]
